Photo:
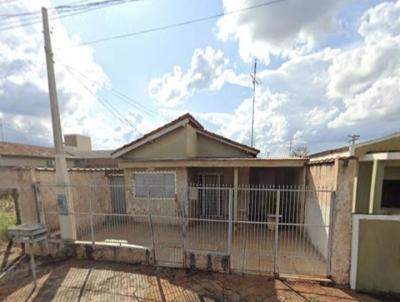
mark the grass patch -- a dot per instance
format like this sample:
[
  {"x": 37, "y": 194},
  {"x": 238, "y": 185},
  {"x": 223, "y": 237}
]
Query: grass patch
[
  {"x": 7, "y": 216},
  {"x": 6, "y": 220}
]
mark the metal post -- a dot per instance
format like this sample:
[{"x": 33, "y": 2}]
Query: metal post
[
  {"x": 230, "y": 222},
  {"x": 66, "y": 217},
  {"x": 181, "y": 214},
  {"x": 151, "y": 229},
  {"x": 330, "y": 233},
  {"x": 278, "y": 197},
  {"x": 32, "y": 263},
  {"x": 91, "y": 215}
]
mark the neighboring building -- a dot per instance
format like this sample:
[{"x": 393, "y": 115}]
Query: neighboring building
[
  {"x": 374, "y": 183},
  {"x": 78, "y": 153}
]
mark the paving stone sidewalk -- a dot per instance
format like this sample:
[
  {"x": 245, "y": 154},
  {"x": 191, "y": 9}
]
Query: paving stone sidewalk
[{"x": 73, "y": 280}]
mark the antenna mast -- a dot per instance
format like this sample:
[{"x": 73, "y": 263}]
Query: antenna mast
[{"x": 254, "y": 81}]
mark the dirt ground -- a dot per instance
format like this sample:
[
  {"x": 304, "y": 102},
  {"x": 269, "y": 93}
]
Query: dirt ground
[{"x": 78, "y": 280}]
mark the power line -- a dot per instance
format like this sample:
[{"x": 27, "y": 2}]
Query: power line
[
  {"x": 122, "y": 96},
  {"x": 179, "y": 24},
  {"x": 106, "y": 104},
  {"x": 58, "y": 12}
]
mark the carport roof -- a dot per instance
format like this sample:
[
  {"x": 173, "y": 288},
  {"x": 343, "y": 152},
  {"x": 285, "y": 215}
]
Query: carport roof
[{"x": 217, "y": 162}]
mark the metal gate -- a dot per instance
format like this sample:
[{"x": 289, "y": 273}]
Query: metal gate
[
  {"x": 118, "y": 202},
  {"x": 283, "y": 231},
  {"x": 166, "y": 228},
  {"x": 265, "y": 230},
  {"x": 262, "y": 229}
]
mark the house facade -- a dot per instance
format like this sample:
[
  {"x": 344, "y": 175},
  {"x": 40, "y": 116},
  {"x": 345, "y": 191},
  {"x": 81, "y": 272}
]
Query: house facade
[{"x": 170, "y": 160}]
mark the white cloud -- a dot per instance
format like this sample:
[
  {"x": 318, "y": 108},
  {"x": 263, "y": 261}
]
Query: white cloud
[
  {"x": 283, "y": 28},
  {"x": 367, "y": 77},
  {"x": 290, "y": 104},
  {"x": 381, "y": 21},
  {"x": 24, "y": 100},
  {"x": 320, "y": 98},
  {"x": 206, "y": 72}
]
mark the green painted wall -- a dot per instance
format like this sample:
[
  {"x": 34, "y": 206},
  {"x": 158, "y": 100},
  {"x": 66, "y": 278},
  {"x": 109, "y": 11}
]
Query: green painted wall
[
  {"x": 368, "y": 185},
  {"x": 388, "y": 145},
  {"x": 378, "y": 268},
  {"x": 363, "y": 187}
]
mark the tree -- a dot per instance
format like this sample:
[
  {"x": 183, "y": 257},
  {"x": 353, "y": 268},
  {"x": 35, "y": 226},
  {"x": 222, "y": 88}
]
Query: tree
[{"x": 300, "y": 151}]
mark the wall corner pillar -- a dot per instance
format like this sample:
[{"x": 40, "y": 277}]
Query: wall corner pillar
[{"x": 376, "y": 187}]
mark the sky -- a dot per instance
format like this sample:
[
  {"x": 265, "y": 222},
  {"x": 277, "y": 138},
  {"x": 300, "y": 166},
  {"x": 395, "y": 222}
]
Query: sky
[{"x": 326, "y": 69}]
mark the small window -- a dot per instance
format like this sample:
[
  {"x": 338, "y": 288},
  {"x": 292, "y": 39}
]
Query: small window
[
  {"x": 155, "y": 185},
  {"x": 390, "y": 194}
]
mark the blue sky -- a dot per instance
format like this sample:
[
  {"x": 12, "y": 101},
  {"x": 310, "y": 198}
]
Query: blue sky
[
  {"x": 132, "y": 62},
  {"x": 326, "y": 70}
]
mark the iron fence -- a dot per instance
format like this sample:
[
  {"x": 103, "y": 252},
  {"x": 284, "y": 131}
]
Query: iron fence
[{"x": 264, "y": 229}]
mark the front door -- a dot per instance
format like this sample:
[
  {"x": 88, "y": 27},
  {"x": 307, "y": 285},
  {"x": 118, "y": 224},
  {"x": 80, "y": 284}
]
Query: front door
[{"x": 210, "y": 194}]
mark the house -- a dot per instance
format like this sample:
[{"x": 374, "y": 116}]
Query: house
[
  {"x": 375, "y": 188},
  {"x": 183, "y": 168},
  {"x": 192, "y": 198},
  {"x": 182, "y": 153},
  {"x": 79, "y": 154}
]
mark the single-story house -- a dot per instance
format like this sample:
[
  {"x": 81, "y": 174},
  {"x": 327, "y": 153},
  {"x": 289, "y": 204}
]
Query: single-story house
[{"x": 181, "y": 154}]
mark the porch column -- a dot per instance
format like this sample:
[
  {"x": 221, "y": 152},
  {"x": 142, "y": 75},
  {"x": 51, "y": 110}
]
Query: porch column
[
  {"x": 376, "y": 187},
  {"x": 235, "y": 192}
]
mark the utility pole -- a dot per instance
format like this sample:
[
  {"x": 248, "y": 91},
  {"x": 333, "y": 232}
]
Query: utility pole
[
  {"x": 254, "y": 81},
  {"x": 64, "y": 196},
  {"x": 352, "y": 140}
]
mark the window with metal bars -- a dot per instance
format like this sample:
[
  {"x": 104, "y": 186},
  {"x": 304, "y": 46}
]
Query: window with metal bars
[{"x": 154, "y": 185}]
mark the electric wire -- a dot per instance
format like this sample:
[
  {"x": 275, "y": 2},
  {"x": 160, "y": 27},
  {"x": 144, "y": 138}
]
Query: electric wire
[
  {"x": 106, "y": 104},
  {"x": 122, "y": 96}
]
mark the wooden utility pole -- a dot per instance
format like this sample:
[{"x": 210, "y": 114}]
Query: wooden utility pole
[
  {"x": 254, "y": 81},
  {"x": 64, "y": 197},
  {"x": 352, "y": 140}
]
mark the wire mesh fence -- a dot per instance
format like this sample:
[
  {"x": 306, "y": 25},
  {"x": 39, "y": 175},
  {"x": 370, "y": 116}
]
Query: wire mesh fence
[{"x": 263, "y": 229}]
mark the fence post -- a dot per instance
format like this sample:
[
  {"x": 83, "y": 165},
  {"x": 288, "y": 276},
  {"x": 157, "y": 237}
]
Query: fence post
[
  {"x": 278, "y": 198},
  {"x": 38, "y": 203},
  {"x": 90, "y": 214},
  {"x": 15, "y": 195},
  {"x": 230, "y": 222},
  {"x": 151, "y": 229},
  {"x": 330, "y": 232},
  {"x": 183, "y": 220}
]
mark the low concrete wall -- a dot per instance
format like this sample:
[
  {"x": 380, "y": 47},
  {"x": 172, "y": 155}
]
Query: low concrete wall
[
  {"x": 23, "y": 180},
  {"x": 204, "y": 261},
  {"x": 102, "y": 252},
  {"x": 376, "y": 253}
]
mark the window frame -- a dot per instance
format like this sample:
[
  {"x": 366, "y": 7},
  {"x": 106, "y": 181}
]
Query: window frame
[{"x": 153, "y": 173}]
